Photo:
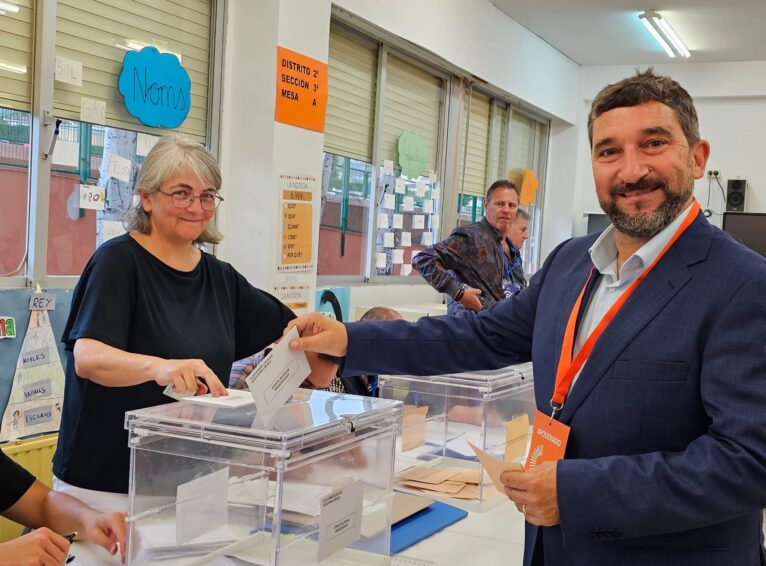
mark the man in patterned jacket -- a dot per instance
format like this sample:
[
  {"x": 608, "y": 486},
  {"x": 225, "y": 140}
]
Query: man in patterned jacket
[{"x": 474, "y": 266}]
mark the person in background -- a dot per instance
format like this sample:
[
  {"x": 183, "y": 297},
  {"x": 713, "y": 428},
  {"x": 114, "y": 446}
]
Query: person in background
[
  {"x": 650, "y": 367},
  {"x": 473, "y": 265},
  {"x": 25, "y": 500},
  {"x": 518, "y": 233},
  {"x": 153, "y": 310},
  {"x": 355, "y": 384}
]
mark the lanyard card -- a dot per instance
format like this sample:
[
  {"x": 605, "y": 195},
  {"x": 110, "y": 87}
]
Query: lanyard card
[{"x": 549, "y": 440}]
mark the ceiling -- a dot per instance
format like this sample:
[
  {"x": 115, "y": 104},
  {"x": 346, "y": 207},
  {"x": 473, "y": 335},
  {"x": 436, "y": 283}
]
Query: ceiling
[{"x": 608, "y": 32}]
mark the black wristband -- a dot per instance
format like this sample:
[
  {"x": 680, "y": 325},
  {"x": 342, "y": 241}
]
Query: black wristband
[{"x": 459, "y": 294}]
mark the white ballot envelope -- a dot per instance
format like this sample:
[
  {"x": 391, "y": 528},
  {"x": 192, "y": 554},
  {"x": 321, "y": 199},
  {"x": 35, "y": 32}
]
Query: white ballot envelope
[{"x": 281, "y": 372}]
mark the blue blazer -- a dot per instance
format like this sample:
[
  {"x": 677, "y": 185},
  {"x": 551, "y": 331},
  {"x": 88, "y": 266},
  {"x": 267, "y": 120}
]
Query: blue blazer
[{"x": 666, "y": 461}]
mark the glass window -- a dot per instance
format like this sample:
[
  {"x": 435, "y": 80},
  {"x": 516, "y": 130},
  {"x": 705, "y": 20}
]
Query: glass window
[
  {"x": 80, "y": 220},
  {"x": 345, "y": 215},
  {"x": 14, "y": 187}
]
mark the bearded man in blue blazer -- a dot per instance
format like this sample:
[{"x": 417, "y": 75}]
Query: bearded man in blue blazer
[{"x": 666, "y": 458}]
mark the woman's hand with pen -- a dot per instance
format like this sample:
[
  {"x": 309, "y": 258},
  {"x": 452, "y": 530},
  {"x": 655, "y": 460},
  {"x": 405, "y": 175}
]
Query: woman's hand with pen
[{"x": 40, "y": 547}]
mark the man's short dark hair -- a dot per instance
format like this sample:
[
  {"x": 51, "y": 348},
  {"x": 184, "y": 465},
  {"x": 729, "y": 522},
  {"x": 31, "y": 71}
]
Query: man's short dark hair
[
  {"x": 647, "y": 87},
  {"x": 501, "y": 184}
]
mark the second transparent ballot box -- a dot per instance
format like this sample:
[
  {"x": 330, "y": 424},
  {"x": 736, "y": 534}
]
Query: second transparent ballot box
[
  {"x": 444, "y": 414},
  {"x": 308, "y": 482}
]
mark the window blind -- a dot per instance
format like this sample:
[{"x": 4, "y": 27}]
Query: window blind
[
  {"x": 475, "y": 153},
  {"x": 92, "y": 31},
  {"x": 412, "y": 101},
  {"x": 522, "y": 142},
  {"x": 352, "y": 77},
  {"x": 16, "y": 48},
  {"x": 499, "y": 141}
]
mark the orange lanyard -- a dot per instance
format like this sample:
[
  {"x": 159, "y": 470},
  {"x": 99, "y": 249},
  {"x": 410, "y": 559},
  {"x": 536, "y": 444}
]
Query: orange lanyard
[{"x": 568, "y": 368}]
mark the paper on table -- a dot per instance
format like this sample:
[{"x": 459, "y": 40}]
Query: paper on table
[
  {"x": 398, "y": 221},
  {"x": 399, "y": 187},
  {"x": 413, "y": 427},
  {"x": 397, "y": 257},
  {"x": 380, "y": 260},
  {"x": 388, "y": 240},
  {"x": 406, "y": 239},
  {"x": 201, "y": 505},
  {"x": 389, "y": 201},
  {"x": 429, "y": 475},
  {"x": 428, "y": 206},
  {"x": 275, "y": 379},
  {"x": 340, "y": 519},
  {"x": 439, "y": 488},
  {"x": 418, "y": 221},
  {"x": 495, "y": 467},
  {"x": 235, "y": 398},
  {"x": 516, "y": 432},
  {"x": 406, "y": 269}
]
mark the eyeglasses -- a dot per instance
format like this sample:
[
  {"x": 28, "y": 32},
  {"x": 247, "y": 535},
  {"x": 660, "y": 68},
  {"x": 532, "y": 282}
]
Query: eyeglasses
[{"x": 184, "y": 198}]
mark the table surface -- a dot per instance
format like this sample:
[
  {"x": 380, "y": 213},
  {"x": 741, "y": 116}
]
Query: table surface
[{"x": 493, "y": 537}]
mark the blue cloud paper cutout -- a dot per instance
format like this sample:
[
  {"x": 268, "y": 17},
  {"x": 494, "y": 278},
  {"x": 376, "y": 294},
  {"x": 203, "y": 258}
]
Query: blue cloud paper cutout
[{"x": 156, "y": 88}]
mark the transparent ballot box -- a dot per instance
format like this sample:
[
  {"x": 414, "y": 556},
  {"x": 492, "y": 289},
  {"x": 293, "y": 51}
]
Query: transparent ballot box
[
  {"x": 443, "y": 415},
  {"x": 308, "y": 482}
]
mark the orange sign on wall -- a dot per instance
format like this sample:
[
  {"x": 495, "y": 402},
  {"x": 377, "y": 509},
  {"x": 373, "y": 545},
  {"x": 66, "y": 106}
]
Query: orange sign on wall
[{"x": 301, "y": 90}]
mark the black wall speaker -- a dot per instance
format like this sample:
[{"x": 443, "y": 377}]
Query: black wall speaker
[{"x": 735, "y": 195}]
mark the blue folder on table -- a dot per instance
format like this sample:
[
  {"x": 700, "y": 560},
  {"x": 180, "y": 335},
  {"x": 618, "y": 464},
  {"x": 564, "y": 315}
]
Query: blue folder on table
[{"x": 423, "y": 524}]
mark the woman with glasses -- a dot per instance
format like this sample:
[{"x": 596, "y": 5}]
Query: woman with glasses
[{"x": 152, "y": 310}]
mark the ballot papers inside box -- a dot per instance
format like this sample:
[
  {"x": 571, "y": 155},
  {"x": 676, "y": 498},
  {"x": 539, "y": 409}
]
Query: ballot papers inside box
[
  {"x": 307, "y": 482},
  {"x": 443, "y": 415}
]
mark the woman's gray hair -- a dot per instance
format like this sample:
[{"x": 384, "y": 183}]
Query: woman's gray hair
[{"x": 173, "y": 155}]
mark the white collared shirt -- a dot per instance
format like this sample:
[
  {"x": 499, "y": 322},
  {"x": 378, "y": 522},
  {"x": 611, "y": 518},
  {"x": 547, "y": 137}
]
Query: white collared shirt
[{"x": 603, "y": 253}]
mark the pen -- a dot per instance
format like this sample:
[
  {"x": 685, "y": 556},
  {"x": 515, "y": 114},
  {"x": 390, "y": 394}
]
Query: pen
[{"x": 71, "y": 537}]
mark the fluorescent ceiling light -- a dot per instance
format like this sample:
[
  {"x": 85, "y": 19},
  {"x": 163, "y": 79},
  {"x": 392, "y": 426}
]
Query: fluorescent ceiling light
[
  {"x": 664, "y": 34},
  {"x": 13, "y": 68},
  {"x": 6, "y": 7},
  {"x": 131, "y": 45}
]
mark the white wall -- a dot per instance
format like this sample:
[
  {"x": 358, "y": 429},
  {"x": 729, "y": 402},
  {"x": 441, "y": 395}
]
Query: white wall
[
  {"x": 470, "y": 34},
  {"x": 731, "y": 105}
]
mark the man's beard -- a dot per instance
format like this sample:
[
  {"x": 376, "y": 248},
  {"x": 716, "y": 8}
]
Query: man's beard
[{"x": 646, "y": 224}]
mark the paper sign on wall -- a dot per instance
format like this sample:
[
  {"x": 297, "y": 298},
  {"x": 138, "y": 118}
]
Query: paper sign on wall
[
  {"x": 42, "y": 302},
  {"x": 68, "y": 71},
  {"x": 399, "y": 187},
  {"x": 383, "y": 221},
  {"x": 388, "y": 240},
  {"x": 380, "y": 260},
  {"x": 397, "y": 257},
  {"x": 119, "y": 168},
  {"x": 296, "y": 249},
  {"x": 111, "y": 229},
  {"x": 8, "y": 326},
  {"x": 398, "y": 221},
  {"x": 92, "y": 197},
  {"x": 144, "y": 144},
  {"x": 389, "y": 201},
  {"x": 406, "y": 269},
  {"x": 301, "y": 90},
  {"x": 406, "y": 239},
  {"x": 66, "y": 153},
  {"x": 418, "y": 222},
  {"x": 92, "y": 111}
]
